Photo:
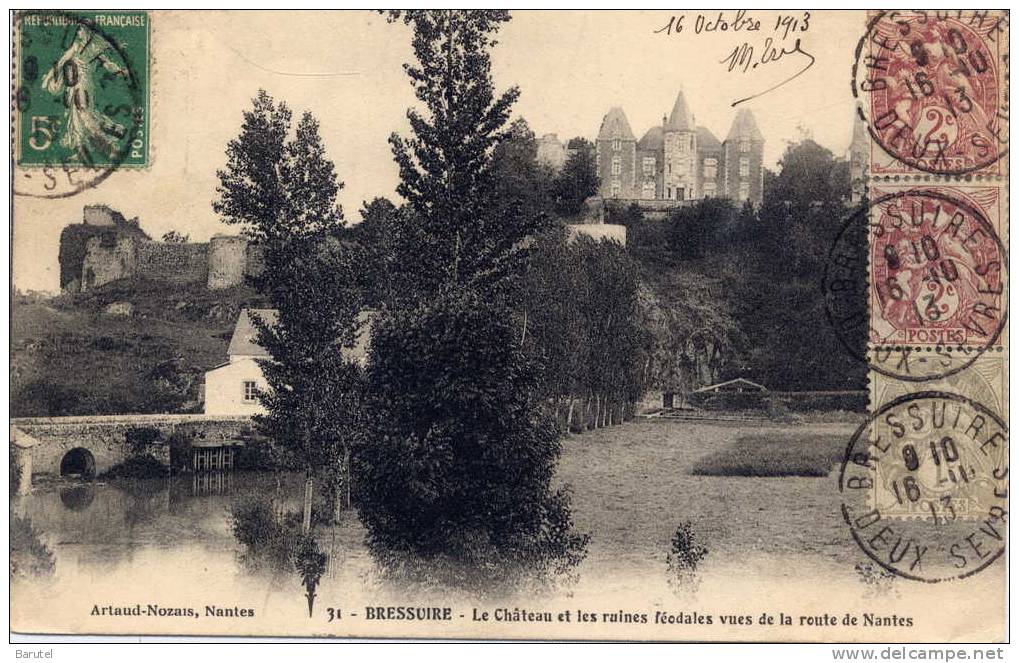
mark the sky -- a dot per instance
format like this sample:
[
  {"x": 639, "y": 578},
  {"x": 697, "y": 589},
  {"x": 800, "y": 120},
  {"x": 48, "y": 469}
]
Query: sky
[{"x": 346, "y": 68}]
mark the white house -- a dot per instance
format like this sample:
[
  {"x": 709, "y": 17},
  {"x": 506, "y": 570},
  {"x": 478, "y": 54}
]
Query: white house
[{"x": 232, "y": 388}]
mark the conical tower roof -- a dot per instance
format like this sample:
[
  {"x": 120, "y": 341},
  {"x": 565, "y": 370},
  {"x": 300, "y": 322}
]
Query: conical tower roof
[
  {"x": 679, "y": 119},
  {"x": 744, "y": 126},
  {"x": 615, "y": 125}
]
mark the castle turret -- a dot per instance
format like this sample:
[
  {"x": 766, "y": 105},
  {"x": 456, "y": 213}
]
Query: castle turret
[
  {"x": 228, "y": 261},
  {"x": 551, "y": 152},
  {"x": 680, "y": 153},
  {"x": 743, "y": 156},
  {"x": 616, "y": 155}
]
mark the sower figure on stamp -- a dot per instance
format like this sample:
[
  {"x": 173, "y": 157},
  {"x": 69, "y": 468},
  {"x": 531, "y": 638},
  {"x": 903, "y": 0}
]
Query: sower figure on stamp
[{"x": 72, "y": 77}]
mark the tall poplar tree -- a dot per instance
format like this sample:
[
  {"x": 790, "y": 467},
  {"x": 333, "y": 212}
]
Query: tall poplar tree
[
  {"x": 454, "y": 481},
  {"x": 282, "y": 188},
  {"x": 464, "y": 236}
]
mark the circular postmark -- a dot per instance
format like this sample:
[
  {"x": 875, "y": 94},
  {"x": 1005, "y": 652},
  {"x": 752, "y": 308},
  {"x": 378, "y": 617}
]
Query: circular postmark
[
  {"x": 932, "y": 88},
  {"x": 935, "y": 297},
  {"x": 79, "y": 102},
  {"x": 924, "y": 486}
]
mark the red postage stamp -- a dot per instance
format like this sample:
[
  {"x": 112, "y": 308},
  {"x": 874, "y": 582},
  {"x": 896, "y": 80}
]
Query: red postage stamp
[
  {"x": 932, "y": 87},
  {"x": 937, "y": 266}
]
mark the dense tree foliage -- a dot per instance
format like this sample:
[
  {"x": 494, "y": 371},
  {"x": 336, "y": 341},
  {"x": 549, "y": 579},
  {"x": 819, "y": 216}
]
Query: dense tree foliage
[
  {"x": 281, "y": 186},
  {"x": 460, "y": 233},
  {"x": 584, "y": 321},
  {"x": 738, "y": 290},
  {"x": 454, "y": 486},
  {"x": 576, "y": 181},
  {"x": 455, "y": 476},
  {"x": 778, "y": 287}
]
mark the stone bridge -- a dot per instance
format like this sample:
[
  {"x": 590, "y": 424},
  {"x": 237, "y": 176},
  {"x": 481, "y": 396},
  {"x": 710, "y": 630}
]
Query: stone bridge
[{"x": 89, "y": 446}]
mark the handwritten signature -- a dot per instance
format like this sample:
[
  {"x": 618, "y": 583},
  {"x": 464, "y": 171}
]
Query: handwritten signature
[{"x": 745, "y": 59}]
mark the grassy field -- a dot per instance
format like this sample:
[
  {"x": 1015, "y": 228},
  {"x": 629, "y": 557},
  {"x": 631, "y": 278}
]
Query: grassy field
[
  {"x": 778, "y": 453},
  {"x": 634, "y": 484},
  {"x": 70, "y": 357}
]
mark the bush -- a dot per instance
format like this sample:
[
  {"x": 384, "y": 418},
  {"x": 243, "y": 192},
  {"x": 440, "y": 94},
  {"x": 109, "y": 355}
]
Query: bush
[
  {"x": 137, "y": 467},
  {"x": 267, "y": 543},
  {"x": 30, "y": 557},
  {"x": 180, "y": 451},
  {"x": 835, "y": 401},
  {"x": 724, "y": 401},
  {"x": 256, "y": 455},
  {"x": 454, "y": 479},
  {"x": 46, "y": 398},
  {"x": 683, "y": 558},
  {"x": 140, "y": 437},
  {"x": 774, "y": 455},
  {"x": 276, "y": 544}
]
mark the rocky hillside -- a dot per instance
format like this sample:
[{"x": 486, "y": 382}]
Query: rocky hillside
[{"x": 131, "y": 346}]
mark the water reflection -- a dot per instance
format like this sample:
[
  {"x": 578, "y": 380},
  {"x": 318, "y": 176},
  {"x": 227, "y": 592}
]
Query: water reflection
[
  {"x": 106, "y": 528},
  {"x": 77, "y": 497},
  {"x": 272, "y": 540}
]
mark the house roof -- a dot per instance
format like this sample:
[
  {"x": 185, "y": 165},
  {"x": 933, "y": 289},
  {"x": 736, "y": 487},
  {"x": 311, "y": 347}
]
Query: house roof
[
  {"x": 652, "y": 140},
  {"x": 744, "y": 126},
  {"x": 244, "y": 342},
  {"x": 679, "y": 119},
  {"x": 727, "y": 383},
  {"x": 707, "y": 140},
  {"x": 615, "y": 125}
]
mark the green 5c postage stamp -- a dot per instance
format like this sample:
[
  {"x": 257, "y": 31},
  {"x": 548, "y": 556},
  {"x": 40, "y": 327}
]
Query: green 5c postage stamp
[{"x": 82, "y": 92}]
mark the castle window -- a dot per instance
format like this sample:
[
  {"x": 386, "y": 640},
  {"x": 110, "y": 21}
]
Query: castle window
[
  {"x": 744, "y": 145},
  {"x": 615, "y": 188},
  {"x": 617, "y": 165},
  {"x": 669, "y": 196},
  {"x": 680, "y": 193},
  {"x": 710, "y": 169},
  {"x": 250, "y": 391},
  {"x": 648, "y": 191},
  {"x": 744, "y": 166},
  {"x": 649, "y": 166},
  {"x": 617, "y": 144},
  {"x": 744, "y": 190},
  {"x": 670, "y": 168},
  {"x": 710, "y": 190}
]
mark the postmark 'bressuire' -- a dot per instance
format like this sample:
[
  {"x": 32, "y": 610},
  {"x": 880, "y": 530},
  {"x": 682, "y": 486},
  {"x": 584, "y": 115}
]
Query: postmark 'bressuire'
[
  {"x": 936, "y": 293},
  {"x": 81, "y": 98},
  {"x": 924, "y": 486},
  {"x": 932, "y": 89}
]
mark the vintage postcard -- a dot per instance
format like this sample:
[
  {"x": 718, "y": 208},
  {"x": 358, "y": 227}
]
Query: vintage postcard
[{"x": 665, "y": 325}]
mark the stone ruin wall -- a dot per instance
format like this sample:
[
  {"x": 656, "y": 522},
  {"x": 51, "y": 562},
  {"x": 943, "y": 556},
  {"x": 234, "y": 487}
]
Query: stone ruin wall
[
  {"x": 105, "y": 261},
  {"x": 173, "y": 263},
  {"x": 224, "y": 262}
]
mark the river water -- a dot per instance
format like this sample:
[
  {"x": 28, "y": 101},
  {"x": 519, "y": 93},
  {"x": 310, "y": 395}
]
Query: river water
[{"x": 776, "y": 545}]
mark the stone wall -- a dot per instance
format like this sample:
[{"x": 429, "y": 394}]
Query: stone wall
[
  {"x": 108, "y": 259},
  {"x": 48, "y": 439},
  {"x": 172, "y": 262},
  {"x": 222, "y": 263}
]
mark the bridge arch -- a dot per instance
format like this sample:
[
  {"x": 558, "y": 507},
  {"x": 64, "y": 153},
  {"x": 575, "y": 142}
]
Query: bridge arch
[{"x": 80, "y": 462}]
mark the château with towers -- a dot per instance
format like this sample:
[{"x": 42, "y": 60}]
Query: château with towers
[{"x": 674, "y": 162}]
